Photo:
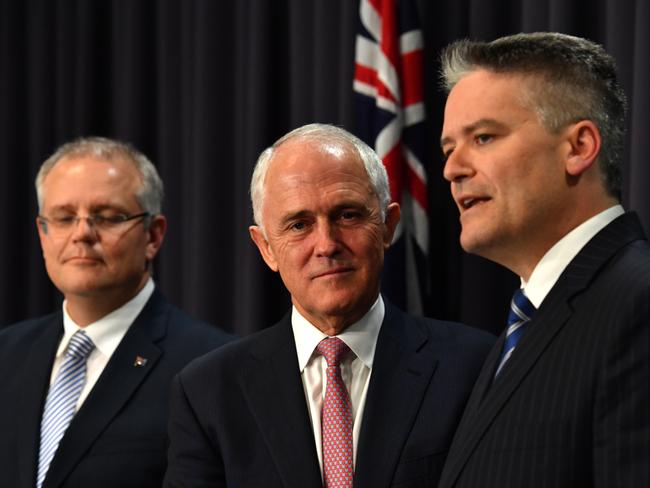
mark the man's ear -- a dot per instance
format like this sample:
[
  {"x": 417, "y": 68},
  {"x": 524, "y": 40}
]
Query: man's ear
[
  {"x": 584, "y": 146},
  {"x": 156, "y": 231},
  {"x": 41, "y": 226},
  {"x": 393, "y": 214},
  {"x": 264, "y": 247}
]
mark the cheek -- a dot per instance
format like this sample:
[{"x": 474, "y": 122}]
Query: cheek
[
  {"x": 51, "y": 251},
  {"x": 290, "y": 257},
  {"x": 374, "y": 238},
  {"x": 127, "y": 247},
  {"x": 369, "y": 247}
]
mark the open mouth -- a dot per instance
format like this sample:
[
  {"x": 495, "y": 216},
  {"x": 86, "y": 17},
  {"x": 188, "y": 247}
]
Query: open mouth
[{"x": 467, "y": 203}]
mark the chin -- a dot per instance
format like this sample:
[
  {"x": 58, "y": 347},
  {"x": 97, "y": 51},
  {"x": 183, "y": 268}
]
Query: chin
[
  {"x": 476, "y": 249},
  {"x": 468, "y": 245},
  {"x": 86, "y": 287},
  {"x": 335, "y": 307}
]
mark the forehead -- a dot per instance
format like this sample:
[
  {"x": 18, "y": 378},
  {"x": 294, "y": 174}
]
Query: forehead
[
  {"x": 313, "y": 161},
  {"x": 314, "y": 170},
  {"x": 484, "y": 95},
  {"x": 91, "y": 178},
  {"x": 484, "y": 90}
]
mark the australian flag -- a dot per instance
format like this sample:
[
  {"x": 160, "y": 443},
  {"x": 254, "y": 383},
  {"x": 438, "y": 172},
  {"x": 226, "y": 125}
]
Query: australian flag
[{"x": 390, "y": 118}]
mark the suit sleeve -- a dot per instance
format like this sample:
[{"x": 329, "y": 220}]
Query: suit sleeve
[
  {"x": 622, "y": 403},
  {"x": 193, "y": 461}
]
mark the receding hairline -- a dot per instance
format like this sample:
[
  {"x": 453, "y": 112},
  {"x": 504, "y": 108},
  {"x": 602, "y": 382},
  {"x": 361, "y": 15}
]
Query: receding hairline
[
  {"x": 332, "y": 136},
  {"x": 98, "y": 158},
  {"x": 350, "y": 155},
  {"x": 89, "y": 155},
  {"x": 317, "y": 141}
]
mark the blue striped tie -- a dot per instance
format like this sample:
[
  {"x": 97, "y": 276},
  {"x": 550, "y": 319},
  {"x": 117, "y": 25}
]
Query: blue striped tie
[
  {"x": 521, "y": 310},
  {"x": 62, "y": 398}
]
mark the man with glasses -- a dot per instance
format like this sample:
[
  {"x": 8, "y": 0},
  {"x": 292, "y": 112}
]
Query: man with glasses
[{"x": 85, "y": 390}]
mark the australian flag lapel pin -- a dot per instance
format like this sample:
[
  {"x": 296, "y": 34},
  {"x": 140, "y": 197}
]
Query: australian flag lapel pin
[{"x": 139, "y": 362}]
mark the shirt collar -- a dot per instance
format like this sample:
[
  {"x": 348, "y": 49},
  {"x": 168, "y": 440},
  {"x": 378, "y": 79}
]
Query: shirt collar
[
  {"x": 107, "y": 332},
  {"x": 361, "y": 337},
  {"x": 558, "y": 257}
]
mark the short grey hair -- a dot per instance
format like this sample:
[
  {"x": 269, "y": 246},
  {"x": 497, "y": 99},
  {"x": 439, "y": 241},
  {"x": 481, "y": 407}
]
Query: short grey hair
[
  {"x": 576, "y": 79},
  {"x": 375, "y": 169},
  {"x": 151, "y": 193}
]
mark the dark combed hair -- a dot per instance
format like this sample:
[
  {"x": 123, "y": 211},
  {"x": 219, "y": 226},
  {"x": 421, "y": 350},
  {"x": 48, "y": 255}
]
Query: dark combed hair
[{"x": 571, "y": 79}]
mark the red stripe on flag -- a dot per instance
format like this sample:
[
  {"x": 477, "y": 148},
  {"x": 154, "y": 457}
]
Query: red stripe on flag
[
  {"x": 369, "y": 76},
  {"x": 412, "y": 91},
  {"x": 395, "y": 163},
  {"x": 389, "y": 36},
  {"x": 376, "y": 4},
  {"x": 364, "y": 74},
  {"x": 401, "y": 174}
]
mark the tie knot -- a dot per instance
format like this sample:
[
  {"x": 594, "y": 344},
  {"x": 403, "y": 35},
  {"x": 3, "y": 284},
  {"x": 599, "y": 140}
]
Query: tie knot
[
  {"x": 333, "y": 350},
  {"x": 80, "y": 345},
  {"x": 521, "y": 310}
]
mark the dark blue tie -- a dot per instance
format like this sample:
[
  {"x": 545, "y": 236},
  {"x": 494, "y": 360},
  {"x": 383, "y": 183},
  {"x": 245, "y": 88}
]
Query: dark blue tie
[{"x": 521, "y": 311}]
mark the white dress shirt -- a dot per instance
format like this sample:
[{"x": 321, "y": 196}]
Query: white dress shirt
[
  {"x": 106, "y": 333},
  {"x": 551, "y": 266},
  {"x": 361, "y": 338}
]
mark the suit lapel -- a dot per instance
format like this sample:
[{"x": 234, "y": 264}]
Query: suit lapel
[
  {"x": 272, "y": 385},
  {"x": 488, "y": 398},
  {"x": 36, "y": 381},
  {"x": 401, "y": 372},
  {"x": 116, "y": 385}
]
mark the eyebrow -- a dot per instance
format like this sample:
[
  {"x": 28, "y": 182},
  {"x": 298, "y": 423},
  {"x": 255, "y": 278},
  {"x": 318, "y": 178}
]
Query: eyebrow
[
  {"x": 468, "y": 129},
  {"x": 92, "y": 209},
  {"x": 301, "y": 214},
  {"x": 297, "y": 215}
]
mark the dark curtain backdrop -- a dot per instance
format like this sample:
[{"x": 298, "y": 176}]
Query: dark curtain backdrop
[{"x": 203, "y": 86}]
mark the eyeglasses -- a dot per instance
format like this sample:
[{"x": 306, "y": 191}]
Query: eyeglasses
[{"x": 111, "y": 223}]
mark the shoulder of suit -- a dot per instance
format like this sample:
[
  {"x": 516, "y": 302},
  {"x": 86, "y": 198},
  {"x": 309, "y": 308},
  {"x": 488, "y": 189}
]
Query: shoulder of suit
[
  {"x": 637, "y": 254},
  {"x": 455, "y": 335},
  {"x": 181, "y": 323},
  {"x": 440, "y": 334},
  {"x": 20, "y": 335},
  {"x": 29, "y": 326},
  {"x": 236, "y": 354}
]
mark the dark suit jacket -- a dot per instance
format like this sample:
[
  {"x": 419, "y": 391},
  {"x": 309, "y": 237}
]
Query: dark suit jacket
[
  {"x": 240, "y": 418},
  {"x": 571, "y": 407},
  {"x": 118, "y": 438}
]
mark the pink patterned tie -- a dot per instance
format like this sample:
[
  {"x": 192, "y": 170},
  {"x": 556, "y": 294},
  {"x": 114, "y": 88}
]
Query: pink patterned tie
[{"x": 336, "y": 418}]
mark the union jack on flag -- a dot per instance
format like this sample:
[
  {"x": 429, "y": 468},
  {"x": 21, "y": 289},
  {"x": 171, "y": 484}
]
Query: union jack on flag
[{"x": 390, "y": 118}]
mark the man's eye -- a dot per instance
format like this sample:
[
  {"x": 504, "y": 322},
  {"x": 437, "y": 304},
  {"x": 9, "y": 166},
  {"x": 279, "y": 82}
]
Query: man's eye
[
  {"x": 108, "y": 220},
  {"x": 63, "y": 220},
  {"x": 350, "y": 215},
  {"x": 298, "y": 226},
  {"x": 483, "y": 138},
  {"x": 99, "y": 220}
]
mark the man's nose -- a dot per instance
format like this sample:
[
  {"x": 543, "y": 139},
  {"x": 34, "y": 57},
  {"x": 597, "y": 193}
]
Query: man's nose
[
  {"x": 458, "y": 165},
  {"x": 327, "y": 239},
  {"x": 84, "y": 229}
]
